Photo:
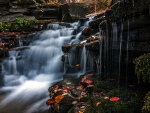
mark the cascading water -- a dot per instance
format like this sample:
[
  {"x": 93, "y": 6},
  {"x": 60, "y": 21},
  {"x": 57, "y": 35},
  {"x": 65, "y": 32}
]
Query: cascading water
[
  {"x": 127, "y": 49},
  {"x": 100, "y": 48},
  {"x": 114, "y": 48},
  {"x": 104, "y": 47},
  {"x": 29, "y": 72},
  {"x": 83, "y": 60},
  {"x": 110, "y": 50},
  {"x": 75, "y": 59},
  {"x": 120, "y": 50},
  {"x": 20, "y": 42},
  {"x": 90, "y": 62}
]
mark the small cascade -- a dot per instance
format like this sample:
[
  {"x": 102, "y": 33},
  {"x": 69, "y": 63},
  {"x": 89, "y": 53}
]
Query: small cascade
[
  {"x": 72, "y": 57},
  {"x": 54, "y": 26},
  {"x": 90, "y": 61},
  {"x": 100, "y": 53},
  {"x": 104, "y": 49},
  {"x": 66, "y": 63},
  {"x": 114, "y": 46},
  {"x": 76, "y": 39},
  {"x": 10, "y": 65},
  {"x": 120, "y": 50},
  {"x": 83, "y": 60},
  {"x": 20, "y": 42},
  {"x": 127, "y": 57}
]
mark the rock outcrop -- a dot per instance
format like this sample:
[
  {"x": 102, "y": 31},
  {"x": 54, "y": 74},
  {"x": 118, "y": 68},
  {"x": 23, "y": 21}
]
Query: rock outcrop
[
  {"x": 11, "y": 9},
  {"x": 40, "y": 9}
]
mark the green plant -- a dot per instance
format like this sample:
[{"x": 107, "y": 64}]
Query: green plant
[
  {"x": 6, "y": 26},
  {"x": 17, "y": 24},
  {"x": 19, "y": 21},
  {"x": 1, "y": 25},
  {"x": 146, "y": 107},
  {"x": 142, "y": 67}
]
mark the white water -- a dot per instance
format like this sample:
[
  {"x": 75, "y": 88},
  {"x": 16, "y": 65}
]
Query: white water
[
  {"x": 100, "y": 48},
  {"x": 83, "y": 60},
  {"x": 89, "y": 61},
  {"x": 28, "y": 73}
]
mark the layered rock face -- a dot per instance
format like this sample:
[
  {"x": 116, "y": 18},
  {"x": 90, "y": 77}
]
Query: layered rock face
[
  {"x": 40, "y": 9},
  {"x": 11, "y": 9}
]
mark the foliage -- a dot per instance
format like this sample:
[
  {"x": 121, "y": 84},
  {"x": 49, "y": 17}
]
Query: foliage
[
  {"x": 128, "y": 102},
  {"x": 146, "y": 107},
  {"x": 19, "y": 21},
  {"x": 1, "y": 25},
  {"x": 142, "y": 67},
  {"x": 5, "y": 26},
  {"x": 101, "y": 4},
  {"x": 17, "y": 24}
]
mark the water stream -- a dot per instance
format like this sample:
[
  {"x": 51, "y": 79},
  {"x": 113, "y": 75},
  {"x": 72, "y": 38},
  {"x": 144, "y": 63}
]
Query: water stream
[{"x": 29, "y": 72}]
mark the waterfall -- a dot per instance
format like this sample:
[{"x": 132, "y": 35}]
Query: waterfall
[
  {"x": 114, "y": 46},
  {"x": 20, "y": 42},
  {"x": 77, "y": 38},
  {"x": 83, "y": 60},
  {"x": 120, "y": 50},
  {"x": 100, "y": 48},
  {"x": 127, "y": 57},
  {"x": 110, "y": 50},
  {"x": 90, "y": 62},
  {"x": 72, "y": 57},
  {"x": 29, "y": 72},
  {"x": 104, "y": 57}
]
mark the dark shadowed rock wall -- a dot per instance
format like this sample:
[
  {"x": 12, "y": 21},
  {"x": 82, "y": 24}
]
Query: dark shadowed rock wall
[{"x": 125, "y": 28}]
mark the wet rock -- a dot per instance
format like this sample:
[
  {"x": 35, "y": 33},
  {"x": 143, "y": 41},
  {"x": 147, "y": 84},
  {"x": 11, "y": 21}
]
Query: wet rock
[
  {"x": 99, "y": 15},
  {"x": 66, "y": 48},
  {"x": 82, "y": 21},
  {"x": 19, "y": 10},
  {"x": 87, "y": 31},
  {"x": 95, "y": 23},
  {"x": 11, "y": 17},
  {"x": 136, "y": 23}
]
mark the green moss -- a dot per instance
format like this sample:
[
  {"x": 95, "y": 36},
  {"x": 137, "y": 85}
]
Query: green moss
[
  {"x": 142, "y": 67},
  {"x": 146, "y": 106},
  {"x": 128, "y": 102}
]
